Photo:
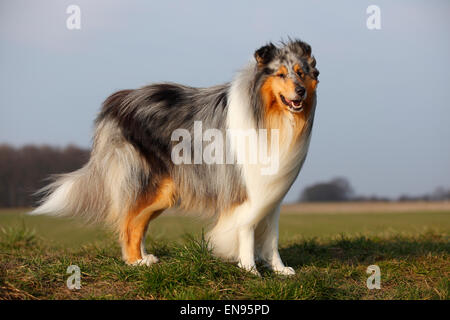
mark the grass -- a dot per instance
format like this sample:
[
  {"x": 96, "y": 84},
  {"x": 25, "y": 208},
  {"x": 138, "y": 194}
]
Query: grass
[{"x": 330, "y": 253}]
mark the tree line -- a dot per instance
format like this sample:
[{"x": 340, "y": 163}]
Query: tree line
[
  {"x": 25, "y": 170},
  {"x": 339, "y": 190}
]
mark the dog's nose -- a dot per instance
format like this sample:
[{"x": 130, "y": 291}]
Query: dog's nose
[{"x": 300, "y": 91}]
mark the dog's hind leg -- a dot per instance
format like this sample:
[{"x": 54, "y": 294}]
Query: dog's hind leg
[{"x": 134, "y": 225}]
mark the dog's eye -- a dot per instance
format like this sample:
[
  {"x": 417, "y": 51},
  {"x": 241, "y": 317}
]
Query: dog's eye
[{"x": 281, "y": 75}]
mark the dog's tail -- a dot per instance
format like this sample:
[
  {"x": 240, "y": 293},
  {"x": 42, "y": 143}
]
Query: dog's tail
[
  {"x": 103, "y": 190},
  {"x": 75, "y": 194},
  {"x": 107, "y": 186}
]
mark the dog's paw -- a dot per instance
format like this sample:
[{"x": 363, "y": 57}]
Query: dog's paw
[
  {"x": 147, "y": 260},
  {"x": 285, "y": 271},
  {"x": 250, "y": 268}
]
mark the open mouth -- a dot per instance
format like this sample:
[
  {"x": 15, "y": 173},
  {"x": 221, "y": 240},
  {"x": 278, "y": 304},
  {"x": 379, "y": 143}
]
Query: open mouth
[{"x": 293, "y": 105}]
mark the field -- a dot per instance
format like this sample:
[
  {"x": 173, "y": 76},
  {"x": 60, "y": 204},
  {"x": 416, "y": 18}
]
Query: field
[{"x": 329, "y": 245}]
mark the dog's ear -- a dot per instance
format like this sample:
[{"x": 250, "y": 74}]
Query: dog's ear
[{"x": 265, "y": 54}]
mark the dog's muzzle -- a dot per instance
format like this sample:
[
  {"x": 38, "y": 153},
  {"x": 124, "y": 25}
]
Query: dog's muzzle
[{"x": 293, "y": 105}]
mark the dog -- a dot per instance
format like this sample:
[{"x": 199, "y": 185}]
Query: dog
[{"x": 131, "y": 177}]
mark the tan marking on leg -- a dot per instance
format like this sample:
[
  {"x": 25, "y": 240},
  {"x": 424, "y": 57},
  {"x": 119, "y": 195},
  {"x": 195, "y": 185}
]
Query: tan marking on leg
[{"x": 135, "y": 224}]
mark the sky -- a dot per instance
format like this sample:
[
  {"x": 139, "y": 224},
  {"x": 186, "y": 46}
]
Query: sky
[{"x": 383, "y": 111}]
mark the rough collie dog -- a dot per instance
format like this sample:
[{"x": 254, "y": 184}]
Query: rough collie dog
[{"x": 131, "y": 177}]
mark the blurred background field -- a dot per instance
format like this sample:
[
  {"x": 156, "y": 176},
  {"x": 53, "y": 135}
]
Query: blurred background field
[{"x": 308, "y": 220}]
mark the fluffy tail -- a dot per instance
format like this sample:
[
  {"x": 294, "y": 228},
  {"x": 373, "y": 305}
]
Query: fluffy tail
[
  {"x": 108, "y": 185},
  {"x": 105, "y": 188},
  {"x": 79, "y": 193}
]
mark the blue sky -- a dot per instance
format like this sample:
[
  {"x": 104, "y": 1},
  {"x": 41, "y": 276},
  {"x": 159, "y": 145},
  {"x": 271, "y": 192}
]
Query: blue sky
[{"x": 383, "y": 101}]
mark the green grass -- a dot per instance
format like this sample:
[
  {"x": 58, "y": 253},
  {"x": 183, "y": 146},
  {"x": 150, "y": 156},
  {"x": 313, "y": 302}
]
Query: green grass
[{"x": 330, "y": 253}]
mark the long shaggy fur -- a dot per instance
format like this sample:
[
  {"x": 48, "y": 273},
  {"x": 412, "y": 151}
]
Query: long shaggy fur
[{"x": 131, "y": 154}]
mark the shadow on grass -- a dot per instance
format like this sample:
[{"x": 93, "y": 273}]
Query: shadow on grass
[
  {"x": 30, "y": 268},
  {"x": 362, "y": 249}
]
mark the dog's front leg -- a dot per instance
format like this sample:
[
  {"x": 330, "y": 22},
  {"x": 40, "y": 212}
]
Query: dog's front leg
[
  {"x": 246, "y": 236},
  {"x": 268, "y": 239}
]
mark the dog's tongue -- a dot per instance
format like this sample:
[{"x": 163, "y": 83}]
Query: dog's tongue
[{"x": 295, "y": 103}]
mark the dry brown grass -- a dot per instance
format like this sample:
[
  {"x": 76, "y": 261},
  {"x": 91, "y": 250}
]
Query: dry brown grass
[{"x": 365, "y": 207}]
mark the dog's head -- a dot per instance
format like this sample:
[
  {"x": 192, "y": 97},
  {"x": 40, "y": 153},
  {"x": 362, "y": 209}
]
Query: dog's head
[{"x": 289, "y": 76}]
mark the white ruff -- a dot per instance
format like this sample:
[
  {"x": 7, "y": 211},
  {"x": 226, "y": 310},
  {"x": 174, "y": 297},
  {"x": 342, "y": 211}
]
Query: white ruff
[{"x": 252, "y": 227}]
